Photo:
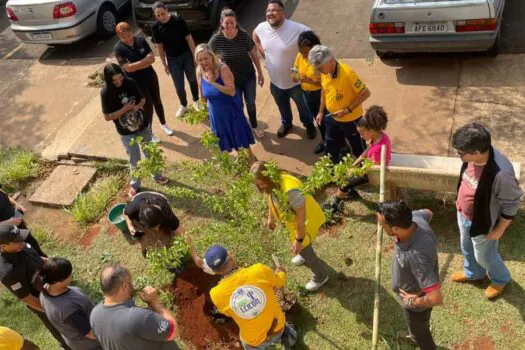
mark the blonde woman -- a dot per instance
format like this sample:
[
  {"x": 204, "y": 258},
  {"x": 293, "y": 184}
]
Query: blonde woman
[{"x": 227, "y": 118}]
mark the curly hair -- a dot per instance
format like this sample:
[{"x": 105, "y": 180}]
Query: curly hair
[{"x": 375, "y": 118}]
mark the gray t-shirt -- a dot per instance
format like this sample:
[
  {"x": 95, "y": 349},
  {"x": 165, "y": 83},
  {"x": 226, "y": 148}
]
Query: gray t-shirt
[
  {"x": 69, "y": 313},
  {"x": 128, "y": 327},
  {"x": 295, "y": 199},
  {"x": 415, "y": 263}
]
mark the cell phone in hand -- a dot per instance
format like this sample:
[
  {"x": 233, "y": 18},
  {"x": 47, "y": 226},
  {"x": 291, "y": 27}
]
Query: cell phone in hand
[{"x": 18, "y": 214}]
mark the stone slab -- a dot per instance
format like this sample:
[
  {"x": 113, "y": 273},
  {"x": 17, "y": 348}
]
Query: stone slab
[{"x": 63, "y": 186}]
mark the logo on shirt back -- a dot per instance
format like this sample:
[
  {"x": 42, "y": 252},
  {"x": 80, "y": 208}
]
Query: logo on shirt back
[
  {"x": 248, "y": 302},
  {"x": 163, "y": 327}
]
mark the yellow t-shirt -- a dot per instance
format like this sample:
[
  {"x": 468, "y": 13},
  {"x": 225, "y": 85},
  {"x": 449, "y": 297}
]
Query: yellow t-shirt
[
  {"x": 307, "y": 71},
  {"x": 248, "y": 297},
  {"x": 341, "y": 91},
  {"x": 10, "y": 340}
]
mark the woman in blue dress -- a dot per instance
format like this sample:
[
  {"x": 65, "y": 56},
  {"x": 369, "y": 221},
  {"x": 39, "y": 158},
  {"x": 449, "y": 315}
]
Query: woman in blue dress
[{"x": 227, "y": 118}]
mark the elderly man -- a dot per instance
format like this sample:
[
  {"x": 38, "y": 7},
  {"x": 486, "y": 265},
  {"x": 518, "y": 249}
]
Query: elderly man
[
  {"x": 300, "y": 213},
  {"x": 276, "y": 40},
  {"x": 415, "y": 271},
  {"x": 343, "y": 94},
  {"x": 120, "y": 325},
  {"x": 248, "y": 296},
  {"x": 487, "y": 202}
]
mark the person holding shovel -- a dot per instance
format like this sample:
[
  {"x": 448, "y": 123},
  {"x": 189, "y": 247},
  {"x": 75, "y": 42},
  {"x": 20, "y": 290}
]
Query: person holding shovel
[
  {"x": 248, "y": 296},
  {"x": 301, "y": 214}
]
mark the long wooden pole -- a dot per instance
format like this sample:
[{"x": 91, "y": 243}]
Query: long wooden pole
[{"x": 375, "y": 330}]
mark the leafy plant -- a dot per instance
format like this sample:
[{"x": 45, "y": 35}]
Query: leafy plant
[
  {"x": 169, "y": 257},
  {"x": 196, "y": 116},
  {"x": 17, "y": 167},
  {"x": 153, "y": 164}
]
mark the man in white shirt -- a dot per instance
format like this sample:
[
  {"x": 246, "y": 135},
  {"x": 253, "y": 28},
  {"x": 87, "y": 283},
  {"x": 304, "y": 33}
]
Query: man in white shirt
[{"x": 276, "y": 40}]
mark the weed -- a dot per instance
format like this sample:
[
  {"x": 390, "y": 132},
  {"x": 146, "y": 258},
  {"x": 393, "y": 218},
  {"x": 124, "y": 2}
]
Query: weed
[
  {"x": 154, "y": 164},
  {"x": 17, "y": 167}
]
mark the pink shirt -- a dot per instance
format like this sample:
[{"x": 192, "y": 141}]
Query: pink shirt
[
  {"x": 467, "y": 190},
  {"x": 374, "y": 151}
]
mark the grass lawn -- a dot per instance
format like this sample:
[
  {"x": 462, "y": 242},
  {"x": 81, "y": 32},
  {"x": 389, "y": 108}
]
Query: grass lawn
[{"x": 338, "y": 317}]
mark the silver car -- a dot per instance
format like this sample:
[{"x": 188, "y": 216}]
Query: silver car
[
  {"x": 398, "y": 26},
  {"x": 61, "y": 21}
]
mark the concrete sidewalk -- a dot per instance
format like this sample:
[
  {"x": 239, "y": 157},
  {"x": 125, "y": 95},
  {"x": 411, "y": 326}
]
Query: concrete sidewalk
[{"x": 425, "y": 100}]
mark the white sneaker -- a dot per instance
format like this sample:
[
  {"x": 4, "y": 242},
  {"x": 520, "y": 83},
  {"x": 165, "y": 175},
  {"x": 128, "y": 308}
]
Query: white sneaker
[
  {"x": 167, "y": 130},
  {"x": 181, "y": 111},
  {"x": 298, "y": 260},
  {"x": 312, "y": 286},
  {"x": 155, "y": 139},
  {"x": 196, "y": 105},
  {"x": 258, "y": 132}
]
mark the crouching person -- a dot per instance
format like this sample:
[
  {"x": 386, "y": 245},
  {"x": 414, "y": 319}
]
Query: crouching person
[
  {"x": 248, "y": 296},
  {"x": 303, "y": 221}
]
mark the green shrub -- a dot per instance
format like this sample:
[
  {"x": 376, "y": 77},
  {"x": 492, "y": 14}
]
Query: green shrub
[{"x": 17, "y": 167}]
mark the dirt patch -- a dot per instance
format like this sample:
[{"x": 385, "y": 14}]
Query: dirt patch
[
  {"x": 199, "y": 323},
  {"x": 483, "y": 342},
  {"x": 90, "y": 235}
]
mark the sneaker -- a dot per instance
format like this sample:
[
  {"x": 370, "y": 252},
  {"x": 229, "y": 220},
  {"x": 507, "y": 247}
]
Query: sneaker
[
  {"x": 312, "y": 286},
  {"x": 196, "y": 105},
  {"x": 167, "y": 130},
  {"x": 181, "y": 111},
  {"x": 319, "y": 148},
  {"x": 132, "y": 192},
  {"x": 311, "y": 132},
  {"x": 298, "y": 260},
  {"x": 284, "y": 130},
  {"x": 494, "y": 290},
  {"x": 155, "y": 139},
  {"x": 161, "y": 180},
  {"x": 333, "y": 204},
  {"x": 258, "y": 132}
]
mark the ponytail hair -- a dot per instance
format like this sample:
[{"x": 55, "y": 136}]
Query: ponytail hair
[{"x": 52, "y": 271}]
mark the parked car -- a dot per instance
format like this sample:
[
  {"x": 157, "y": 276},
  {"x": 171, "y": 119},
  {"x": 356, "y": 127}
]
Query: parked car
[
  {"x": 199, "y": 14},
  {"x": 398, "y": 26},
  {"x": 60, "y": 21}
]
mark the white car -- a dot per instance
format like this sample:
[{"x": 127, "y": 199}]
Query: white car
[
  {"x": 398, "y": 26},
  {"x": 60, "y": 21}
]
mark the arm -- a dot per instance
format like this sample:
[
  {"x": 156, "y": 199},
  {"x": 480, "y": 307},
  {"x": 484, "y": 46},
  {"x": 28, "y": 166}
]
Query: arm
[
  {"x": 191, "y": 44},
  {"x": 33, "y": 302},
  {"x": 16, "y": 204},
  {"x": 118, "y": 114},
  {"x": 199, "y": 81},
  {"x": 320, "y": 115},
  {"x": 258, "y": 44},
  {"x": 140, "y": 104},
  {"x": 300, "y": 218},
  {"x": 229, "y": 86},
  {"x": 508, "y": 194},
  {"x": 362, "y": 97},
  {"x": 131, "y": 227},
  {"x": 143, "y": 63},
  {"x": 162, "y": 56},
  {"x": 255, "y": 58},
  {"x": 434, "y": 298},
  {"x": 193, "y": 252},
  {"x": 271, "y": 219},
  {"x": 150, "y": 297}
]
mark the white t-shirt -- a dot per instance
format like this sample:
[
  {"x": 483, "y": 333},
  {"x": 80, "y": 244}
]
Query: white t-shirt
[{"x": 280, "y": 49}]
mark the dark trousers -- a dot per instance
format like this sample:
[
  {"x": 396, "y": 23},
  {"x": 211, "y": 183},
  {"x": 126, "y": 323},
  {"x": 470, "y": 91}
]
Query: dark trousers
[
  {"x": 31, "y": 240},
  {"x": 313, "y": 100},
  {"x": 50, "y": 328},
  {"x": 419, "y": 328},
  {"x": 247, "y": 90},
  {"x": 180, "y": 66},
  {"x": 282, "y": 99},
  {"x": 353, "y": 182},
  {"x": 151, "y": 90},
  {"x": 342, "y": 138}
]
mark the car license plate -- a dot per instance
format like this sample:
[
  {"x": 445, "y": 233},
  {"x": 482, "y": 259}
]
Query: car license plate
[
  {"x": 41, "y": 36},
  {"x": 430, "y": 27}
]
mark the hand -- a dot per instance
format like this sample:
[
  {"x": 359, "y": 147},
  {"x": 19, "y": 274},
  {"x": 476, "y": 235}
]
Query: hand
[
  {"x": 129, "y": 106},
  {"x": 136, "y": 107},
  {"x": 271, "y": 224},
  {"x": 13, "y": 221},
  {"x": 149, "y": 295},
  {"x": 132, "y": 230},
  {"x": 340, "y": 114},
  {"x": 22, "y": 209},
  {"x": 279, "y": 269},
  {"x": 260, "y": 80},
  {"x": 494, "y": 235},
  {"x": 319, "y": 119},
  {"x": 405, "y": 296},
  {"x": 297, "y": 247},
  {"x": 296, "y": 78},
  {"x": 167, "y": 69}
]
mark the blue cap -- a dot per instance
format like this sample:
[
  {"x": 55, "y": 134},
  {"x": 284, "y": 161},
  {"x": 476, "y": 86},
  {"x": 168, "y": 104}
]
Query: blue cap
[{"x": 216, "y": 257}]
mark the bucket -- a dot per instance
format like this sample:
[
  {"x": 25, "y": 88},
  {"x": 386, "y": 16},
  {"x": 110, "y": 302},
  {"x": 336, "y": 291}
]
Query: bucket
[{"x": 116, "y": 217}]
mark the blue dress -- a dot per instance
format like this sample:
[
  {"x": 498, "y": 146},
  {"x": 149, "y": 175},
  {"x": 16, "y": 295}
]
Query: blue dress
[{"x": 227, "y": 118}]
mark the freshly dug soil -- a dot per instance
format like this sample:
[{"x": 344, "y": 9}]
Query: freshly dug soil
[{"x": 198, "y": 321}]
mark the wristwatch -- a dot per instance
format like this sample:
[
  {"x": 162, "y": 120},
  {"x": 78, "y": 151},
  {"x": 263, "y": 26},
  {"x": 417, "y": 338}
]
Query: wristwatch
[
  {"x": 410, "y": 302},
  {"x": 300, "y": 240}
]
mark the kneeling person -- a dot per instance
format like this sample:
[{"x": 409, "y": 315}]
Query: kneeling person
[{"x": 248, "y": 296}]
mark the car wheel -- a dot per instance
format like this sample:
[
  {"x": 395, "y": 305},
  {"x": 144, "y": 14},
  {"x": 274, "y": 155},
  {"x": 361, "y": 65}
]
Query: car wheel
[
  {"x": 384, "y": 54},
  {"x": 106, "y": 20},
  {"x": 494, "y": 50}
]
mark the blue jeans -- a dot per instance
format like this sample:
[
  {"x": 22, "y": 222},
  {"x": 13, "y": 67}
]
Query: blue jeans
[
  {"x": 291, "y": 337},
  {"x": 133, "y": 152},
  {"x": 248, "y": 90},
  {"x": 481, "y": 255},
  {"x": 180, "y": 66},
  {"x": 282, "y": 99}
]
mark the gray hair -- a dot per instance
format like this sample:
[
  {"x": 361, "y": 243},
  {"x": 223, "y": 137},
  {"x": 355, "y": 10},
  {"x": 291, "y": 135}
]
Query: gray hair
[
  {"x": 112, "y": 277},
  {"x": 320, "y": 54}
]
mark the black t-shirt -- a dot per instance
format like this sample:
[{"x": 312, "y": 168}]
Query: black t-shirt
[
  {"x": 17, "y": 271},
  {"x": 126, "y": 54},
  {"x": 172, "y": 35},
  {"x": 7, "y": 210},
  {"x": 132, "y": 209},
  {"x": 133, "y": 121},
  {"x": 236, "y": 54}
]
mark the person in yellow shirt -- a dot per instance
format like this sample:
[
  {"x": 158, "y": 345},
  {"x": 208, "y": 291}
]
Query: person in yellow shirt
[
  {"x": 11, "y": 340},
  {"x": 248, "y": 296},
  {"x": 309, "y": 78},
  {"x": 301, "y": 214},
  {"x": 343, "y": 94}
]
